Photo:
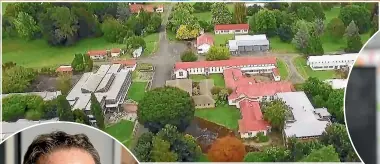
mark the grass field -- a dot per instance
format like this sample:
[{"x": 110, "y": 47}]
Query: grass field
[
  {"x": 283, "y": 69},
  {"x": 223, "y": 114},
  {"x": 221, "y": 39},
  {"x": 122, "y": 131},
  {"x": 137, "y": 91},
  {"x": 38, "y": 53},
  {"x": 218, "y": 79},
  {"x": 306, "y": 71}
]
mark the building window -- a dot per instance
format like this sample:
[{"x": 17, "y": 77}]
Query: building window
[
  {"x": 249, "y": 133},
  {"x": 180, "y": 73},
  {"x": 237, "y": 30}
]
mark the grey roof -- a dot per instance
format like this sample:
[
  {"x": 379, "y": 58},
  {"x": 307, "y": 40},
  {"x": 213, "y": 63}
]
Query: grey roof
[
  {"x": 205, "y": 86},
  {"x": 203, "y": 99},
  {"x": 184, "y": 84},
  {"x": 45, "y": 95},
  {"x": 106, "y": 82},
  {"x": 249, "y": 40},
  {"x": 322, "y": 112},
  {"x": 306, "y": 123},
  {"x": 9, "y": 128}
]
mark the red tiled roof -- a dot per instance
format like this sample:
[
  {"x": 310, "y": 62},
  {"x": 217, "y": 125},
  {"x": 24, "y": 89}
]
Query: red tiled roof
[
  {"x": 233, "y": 77},
  {"x": 232, "y": 27},
  {"x": 64, "y": 69},
  {"x": 97, "y": 52},
  {"x": 237, "y": 61},
  {"x": 135, "y": 8},
  {"x": 253, "y": 90},
  {"x": 252, "y": 118},
  {"x": 125, "y": 62},
  {"x": 205, "y": 39},
  {"x": 115, "y": 50}
]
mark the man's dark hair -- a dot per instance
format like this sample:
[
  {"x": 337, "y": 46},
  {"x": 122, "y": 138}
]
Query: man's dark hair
[{"x": 48, "y": 143}]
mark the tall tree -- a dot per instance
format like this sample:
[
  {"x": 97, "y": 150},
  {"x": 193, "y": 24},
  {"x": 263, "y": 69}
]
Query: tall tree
[
  {"x": 185, "y": 32},
  {"x": 319, "y": 27},
  {"x": 154, "y": 113},
  {"x": 64, "y": 109},
  {"x": 270, "y": 154},
  {"x": 324, "y": 154},
  {"x": 285, "y": 33},
  {"x": 275, "y": 113},
  {"x": 86, "y": 21},
  {"x": 80, "y": 117},
  {"x": 299, "y": 149},
  {"x": 306, "y": 13},
  {"x": 112, "y": 29},
  {"x": 336, "y": 135},
  {"x": 65, "y": 21},
  {"x": 122, "y": 11},
  {"x": 301, "y": 38},
  {"x": 314, "y": 46},
  {"x": 78, "y": 64},
  {"x": 17, "y": 79},
  {"x": 227, "y": 149},
  {"x": 220, "y": 14},
  {"x": 240, "y": 13},
  {"x": 97, "y": 111},
  {"x": 202, "y": 6},
  {"x": 264, "y": 22},
  {"x": 143, "y": 147},
  {"x": 252, "y": 10},
  {"x": 26, "y": 26},
  {"x": 182, "y": 15},
  {"x": 161, "y": 151},
  {"x": 88, "y": 63},
  {"x": 354, "y": 42},
  {"x": 64, "y": 83},
  {"x": 335, "y": 28},
  {"x": 359, "y": 14}
]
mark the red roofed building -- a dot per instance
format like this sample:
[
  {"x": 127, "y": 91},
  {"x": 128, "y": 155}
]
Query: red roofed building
[
  {"x": 231, "y": 29},
  {"x": 204, "y": 42},
  {"x": 128, "y": 64},
  {"x": 116, "y": 52},
  {"x": 135, "y": 8},
  {"x": 97, "y": 54},
  {"x": 246, "y": 64},
  {"x": 251, "y": 121},
  {"x": 64, "y": 69}
]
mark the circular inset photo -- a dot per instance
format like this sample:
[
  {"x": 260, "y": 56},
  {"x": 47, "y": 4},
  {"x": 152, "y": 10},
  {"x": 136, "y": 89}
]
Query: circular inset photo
[
  {"x": 362, "y": 99},
  {"x": 63, "y": 143}
]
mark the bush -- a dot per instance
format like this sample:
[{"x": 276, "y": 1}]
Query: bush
[
  {"x": 260, "y": 137},
  {"x": 285, "y": 33},
  {"x": 215, "y": 90},
  {"x": 189, "y": 56},
  {"x": 218, "y": 53}
]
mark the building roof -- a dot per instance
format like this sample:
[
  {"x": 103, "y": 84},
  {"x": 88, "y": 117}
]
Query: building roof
[
  {"x": 205, "y": 39},
  {"x": 184, "y": 84},
  {"x": 232, "y": 27},
  {"x": 46, "y": 96},
  {"x": 64, "y": 68},
  {"x": 331, "y": 58},
  {"x": 306, "y": 123},
  {"x": 234, "y": 77},
  {"x": 236, "y": 61},
  {"x": 205, "y": 86},
  {"x": 253, "y": 90},
  {"x": 203, "y": 99},
  {"x": 337, "y": 83},
  {"x": 323, "y": 112},
  {"x": 97, "y": 52},
  {"x": 115, "y": 50},
  {"x": 9, "y": 128},
  {"x": 249, "y": 40},
  {"x": 125, "y": 62},
  {"x": 252, "y": 118},
  {"x": 276, "y": 72},
  {"x": 135, "y": 8}
]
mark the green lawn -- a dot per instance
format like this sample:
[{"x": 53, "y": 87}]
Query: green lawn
[
  {"x": 38, "y": 53},
  {"x": 122, "y": 131},
  {"x": 333, "y": 13},
  {"x": 276, "y": 45},
  {"x": 306, "y": 71},
  {"x": 136, "y": 91},
  {"x": 283, "y": 69},
  {"x": 205, "y": 16},
  {"x": 4, "y": 6},
  {"x": 223, "y": 114},
  {"x": 221, "y": 39},
  {"x": 218, "y": 79},
  {"x": 151, "y": 41}
]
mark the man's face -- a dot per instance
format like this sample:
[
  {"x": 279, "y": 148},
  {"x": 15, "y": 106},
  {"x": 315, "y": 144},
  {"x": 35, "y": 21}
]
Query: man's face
[{"x": 67, "y": 156}]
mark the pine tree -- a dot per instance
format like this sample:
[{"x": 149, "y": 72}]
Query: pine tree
[
  {"x": 64, "y": 109},
  {"x": 77, "y": 63},
  {"x": 88, "y": 63},
  {"x": 314, "y": 44},
  {"x": 96, "y": 110},
  {"x": 354, "y": 43}
]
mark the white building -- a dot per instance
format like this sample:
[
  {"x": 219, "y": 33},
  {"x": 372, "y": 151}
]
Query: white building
[
  {"x": 337, "y": 83},
  {"x": 231, "y": 29},
  {"x": 137, "y": 52},
  {"x": 331, "y": 62},
  {"x": 248, "y": 43},
  {"x": 204, "y": 43},
  {"x": 250, "y": 65},
  {"x": 98, "y": 54},
  {"x": 305, "y": 121},
  {"x": 116, "y": 52}
]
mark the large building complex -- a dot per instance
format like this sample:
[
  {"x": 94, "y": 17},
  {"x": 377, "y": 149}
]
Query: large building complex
[
  {"x": 251, "y": 65},
  {"x": 331, "y": 62},
  {"x": 110, "y": 85}
]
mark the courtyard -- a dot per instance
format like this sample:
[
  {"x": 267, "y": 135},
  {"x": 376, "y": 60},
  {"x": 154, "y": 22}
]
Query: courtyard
[
  {"x": 122, "y": 131},
  {"x": 218, "y": 79},
  {"x": 224, "y": 115}
]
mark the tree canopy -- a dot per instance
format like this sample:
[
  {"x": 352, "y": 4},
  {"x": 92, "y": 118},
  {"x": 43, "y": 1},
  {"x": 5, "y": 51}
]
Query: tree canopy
[
  {"x": 218, "y": 53},
  {"x": 154, "y": 112},
  {"x": 324, "y": 154},
  {"x": 17, "y": 79},
  {"x": 227, "y": 149}
]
